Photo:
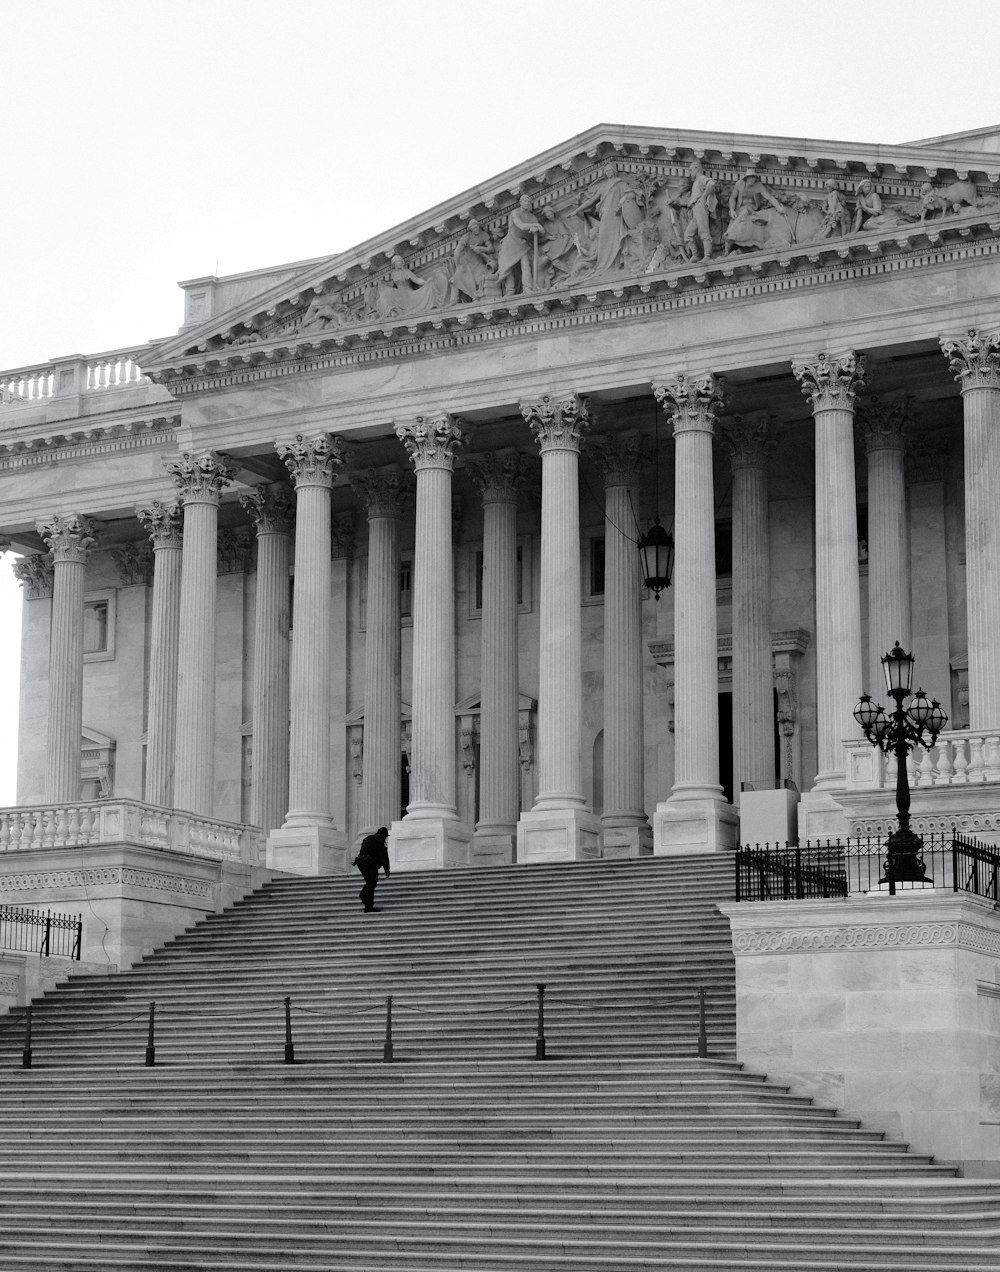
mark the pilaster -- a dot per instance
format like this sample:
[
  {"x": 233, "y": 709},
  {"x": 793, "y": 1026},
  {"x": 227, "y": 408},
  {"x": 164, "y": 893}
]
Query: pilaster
[
  {"x": 559, "y": 826},
  {"x": 430, "y": 834},
  {"x": 163, "y": 523},
  {"x": 625, "y": 828},
  {"x": 69, "y": 538},
  {"x": 696, "y": 817}
]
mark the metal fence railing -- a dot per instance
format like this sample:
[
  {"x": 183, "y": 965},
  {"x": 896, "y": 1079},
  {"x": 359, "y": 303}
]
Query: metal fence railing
[{"x": 35, "y": 932}]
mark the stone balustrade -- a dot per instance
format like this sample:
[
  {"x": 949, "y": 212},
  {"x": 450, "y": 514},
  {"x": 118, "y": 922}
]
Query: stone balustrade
[
  {"x": 96, "y": 373},
  {"x": 110, "y": 821},
  {"x": 962, "y": 757}
]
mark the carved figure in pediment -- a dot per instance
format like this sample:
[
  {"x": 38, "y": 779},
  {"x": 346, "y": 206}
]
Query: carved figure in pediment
[
  {"x": 475, "y": 259},
  {"x": 405, "y": 294},
  {"x": 518, "y": 261},
  {"x": 703, "y": 204},
  {"x": 836, "y": 215},
  {"x": 618, "y": 203},
  {"x": 757, "y": 218},
  {"x": 326, "y": 312},
  {"x": 869, "y": 205},
  {"x": 950, "y": 198},
  {"x": 567, "y": 249}
]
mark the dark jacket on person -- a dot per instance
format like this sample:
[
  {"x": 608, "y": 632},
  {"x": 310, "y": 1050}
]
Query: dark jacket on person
[{"x": 374, "y": 850}]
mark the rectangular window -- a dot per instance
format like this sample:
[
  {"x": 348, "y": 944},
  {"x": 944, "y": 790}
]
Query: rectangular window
[
  {"x": 406, "y": 587},
  {"x": 597, "y": 566},
  {"x": 478, "y": 569},
  {"x": 95, "y": 627}
]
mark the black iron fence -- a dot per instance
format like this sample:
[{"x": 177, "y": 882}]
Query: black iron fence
[
  {"x": 841, "y": 867},
  {"x": 35, "y": 932}
]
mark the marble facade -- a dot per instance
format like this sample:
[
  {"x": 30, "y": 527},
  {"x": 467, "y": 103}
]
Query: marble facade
[{"x": 357, "y": 546}]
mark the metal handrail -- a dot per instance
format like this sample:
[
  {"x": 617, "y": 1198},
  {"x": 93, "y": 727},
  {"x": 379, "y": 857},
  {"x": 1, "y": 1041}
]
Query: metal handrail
[{"x": 42, "y": 933}]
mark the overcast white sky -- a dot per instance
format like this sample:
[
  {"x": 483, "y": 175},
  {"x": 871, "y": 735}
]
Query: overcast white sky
[{"x": 148, "y": 141}]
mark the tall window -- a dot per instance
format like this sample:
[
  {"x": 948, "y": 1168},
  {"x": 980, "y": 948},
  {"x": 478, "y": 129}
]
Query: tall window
[
  {"x": 95, "y": 627},
  {"x": 478, "y": 599},
  {"x": 406, "y": 587}
]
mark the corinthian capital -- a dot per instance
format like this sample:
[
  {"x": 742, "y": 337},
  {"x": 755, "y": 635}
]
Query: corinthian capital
[
  {"x": 431, "y": 440},
  {"x": 270, "y": 508},
  {"x": 883, "y": 421},
  {"x": 380, "y": 490},
  {"x": 974, "y": 359},
  {"x": 558, "y": 424},
  {"x": 620, "y": 456},
  {"x": 748, "y": 438},
  {"x": 69, "y": 537},
  {"x": 313, "y": 461},
  {"x": 201, "y": 478},
  {"x": 34, "y": 573},
  {"x": 831, "y": 382},
  {"x": 497, "y": 475},
  {"x": 162, "y": 522},
  {"x": 692, "y": 401}
]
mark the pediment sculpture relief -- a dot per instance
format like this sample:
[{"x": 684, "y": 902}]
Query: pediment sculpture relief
[{"x": 629, "y": 219}]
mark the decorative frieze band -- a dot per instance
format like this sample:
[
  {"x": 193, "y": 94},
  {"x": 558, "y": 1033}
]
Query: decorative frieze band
[
  {"x": 103, "y": 876},
  {"x": 876, "y": 936}
]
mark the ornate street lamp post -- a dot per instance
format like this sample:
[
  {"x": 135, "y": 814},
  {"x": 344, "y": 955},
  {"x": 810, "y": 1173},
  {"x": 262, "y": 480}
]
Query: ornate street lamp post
[{"x": 897, "y": 733}]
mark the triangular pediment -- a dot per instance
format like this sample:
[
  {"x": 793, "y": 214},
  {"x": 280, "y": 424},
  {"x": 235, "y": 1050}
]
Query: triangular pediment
[{"x": 614, "y": 211}]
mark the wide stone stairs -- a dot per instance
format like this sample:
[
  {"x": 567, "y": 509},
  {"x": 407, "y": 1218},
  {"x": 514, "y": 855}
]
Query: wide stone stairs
[{"x": 620, "y": 1150}]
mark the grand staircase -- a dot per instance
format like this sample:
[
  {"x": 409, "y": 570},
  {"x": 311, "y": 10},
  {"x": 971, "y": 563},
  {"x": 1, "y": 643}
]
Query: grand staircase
[{"x": 620, "y": 1150}]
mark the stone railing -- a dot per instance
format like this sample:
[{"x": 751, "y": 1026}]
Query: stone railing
[
  {"x": 107, "y": 821},
  {"x": 97, "y": 373},
  {"x": 962, "y": 757}
]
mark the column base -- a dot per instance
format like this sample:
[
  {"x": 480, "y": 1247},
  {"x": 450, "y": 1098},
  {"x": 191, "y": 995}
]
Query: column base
[
  {"x": 821, "y": 816},
  {"x": 558, "y": 834},
  {"x": 308, "y": 850},
  {"x": 623, "y": 835},
  {"x": 428, "y": 843},
  {"x": 683, "y": 826},
  {"x": 494, "y": 845}
]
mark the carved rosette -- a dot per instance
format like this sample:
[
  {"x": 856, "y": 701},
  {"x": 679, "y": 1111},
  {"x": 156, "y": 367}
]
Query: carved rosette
[
  {"x": 233, "y": 550},
  {"x": 748, "y": 439},
  {"x": 831, "y": 383},
  {"x": 270, "y": 508},
  {"x": 558, "y": 424},
  {"x": 134, "y": 561},
  {"x": 497, "y": 475},
  {"x": 884, "y": 421},
  {"x": 69, "y": 537},
  {"x": 163, "y": 522},
  {"x": 692, "y": 402},
  {"x": 35, "y": 574},
  {"x": 342, "y": 537},
  {"x": 380, "y": 490},
  {"x": 620, "y": 457},
  {"x": 313, "y": 461},
  {"x": 974, "y": 359},
  {"x": 201, "y": 478},
  {"x": 431, "y": 440}
]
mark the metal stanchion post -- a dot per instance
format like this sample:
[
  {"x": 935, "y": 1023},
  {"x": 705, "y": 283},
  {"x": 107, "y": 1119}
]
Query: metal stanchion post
[
  {"x": 540, "y": 1039},
  {"x": 150, "y": 1036},
  {"x": 289, "y": 1047},
  {"x": 387, "y": 1049},
  {"x": 26, "y": 1052}
]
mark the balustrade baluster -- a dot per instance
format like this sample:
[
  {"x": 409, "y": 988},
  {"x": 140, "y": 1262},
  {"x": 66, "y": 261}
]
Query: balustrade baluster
[
  {"x": 961, "y": 777},
  {"x": 926, "y": 767},
  {"x": 15, "y": 830},
  {"x": 5, "y": 831},
  {"x": 977, "y": 758},
  {"x": 991, "y": 770},
  {"x": 47, "y": 827},
  {"x": 945, "y": 764},
  {"x": 73, "y": 825},
  {"x": 60, "y": 831}
]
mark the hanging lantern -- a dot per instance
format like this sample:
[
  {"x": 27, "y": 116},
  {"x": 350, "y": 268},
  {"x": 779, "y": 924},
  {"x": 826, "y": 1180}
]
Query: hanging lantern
[
  {"x": 898, "y": 669},
  {"x": 656, "y": 548}
]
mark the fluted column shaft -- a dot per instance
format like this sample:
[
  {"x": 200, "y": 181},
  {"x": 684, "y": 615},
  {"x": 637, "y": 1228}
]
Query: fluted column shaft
[
  {"x": 753, "y": 678},
  {"x": 558, "y": 428},
  {"x": 830, "y": 386},
  {"x": 497, "y": 477},
  {"x": 163, "y": 524},
  {"x": 431, "y": 444},
  {"x": 692, "y": 404},
  {"x": 270, "y": 508},
  {"x": 888, "y": 543},
  {"x": 975, "y": 360},
  {"x": 68, "y": 538},
  {"x": 619, "y": 459},
  {"x": 313, "y": 463},
  {"x": 380, "y": 791}
]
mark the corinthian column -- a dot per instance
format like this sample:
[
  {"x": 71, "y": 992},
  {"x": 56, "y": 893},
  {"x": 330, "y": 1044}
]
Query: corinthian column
[
  {"x": 559, "y": 827},
  {"x": 308, "y": 842},
  {"x": 498, "y": 477},
  {"x": 430, "y": 835},
  {"x": 975, "y": 361},
  {"x": 271, "y": 510},
  {"x": 696, "y": 817},
  {"x": 883, "y": 422},
  {"x": 381, "y": 790},
  {"x": 69, "y": 538},
  {"x": 753, "y": 679},
  {"x": 625, "y": 828},
  {"x": 830, "y": 385},
  {"x": 162, "y": 522},
  {"x": 200, "y": 481}
]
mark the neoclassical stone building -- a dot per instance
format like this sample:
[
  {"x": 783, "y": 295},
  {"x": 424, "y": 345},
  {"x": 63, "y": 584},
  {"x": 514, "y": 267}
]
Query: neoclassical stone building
[{"x": 359, "y": 544}]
